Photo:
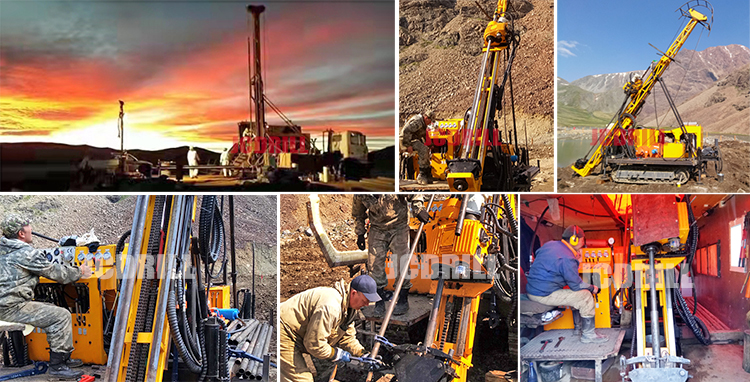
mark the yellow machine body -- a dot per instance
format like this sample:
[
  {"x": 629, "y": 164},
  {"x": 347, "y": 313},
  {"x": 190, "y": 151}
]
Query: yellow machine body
[
  {"x": 597, "y": 265},
  {"x": 88, "y": 326},
  {"x": 640, "y": 268},
  {"x": 639, "y": 90},
  {"x": 441, "y": 245}
]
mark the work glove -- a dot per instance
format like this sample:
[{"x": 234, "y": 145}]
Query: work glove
[
  {"x": 361, "y": 242},
  {"x": 342, "y": 355},
  {"x": 593, "y": 289},
  {"x": 423, "y": 216}
]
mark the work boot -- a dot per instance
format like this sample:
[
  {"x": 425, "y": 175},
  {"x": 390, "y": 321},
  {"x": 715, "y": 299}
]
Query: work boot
[
  {"x": 588, "y": 334},
  {"x": 58, "y": 368},
  {"x": 425, "y": 176},
  {"x": 73, "y": 363},
  {"x": 402, "y": 306},
  {"x": 380, "y": 305}
]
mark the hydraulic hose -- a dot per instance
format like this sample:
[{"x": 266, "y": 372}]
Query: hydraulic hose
[
  {"x": 697, "y": 326},
  {"x": 118, "y": 249},
  {"x": 210, "y": 229},
  {"x": 202, "y": 340},
  {"x": 177, "y": 337}
]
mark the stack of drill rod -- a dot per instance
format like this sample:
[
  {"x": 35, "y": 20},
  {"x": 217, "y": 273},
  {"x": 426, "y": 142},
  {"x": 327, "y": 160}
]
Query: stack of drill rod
[{"x": 253, "y": 337}]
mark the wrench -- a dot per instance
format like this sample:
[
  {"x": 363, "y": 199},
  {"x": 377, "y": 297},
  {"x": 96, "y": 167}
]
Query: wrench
[
  {"x": 544, "y": 345},
  {"x": 558, "y": 341},
  {"x": 39, "y": 368}
]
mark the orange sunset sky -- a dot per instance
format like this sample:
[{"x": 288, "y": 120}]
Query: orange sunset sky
[{"x": 181, "y": 68}]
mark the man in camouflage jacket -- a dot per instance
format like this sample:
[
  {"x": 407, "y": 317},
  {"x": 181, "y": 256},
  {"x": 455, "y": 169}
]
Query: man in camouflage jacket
[
  {"x": 20, "y": 268},
  {"x": 413, "y": 136},
  {"x": 389, "y": 230}
]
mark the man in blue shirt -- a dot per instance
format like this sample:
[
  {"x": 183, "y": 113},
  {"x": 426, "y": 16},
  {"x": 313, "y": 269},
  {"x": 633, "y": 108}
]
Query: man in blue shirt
[{"x": 554, "y": 267}]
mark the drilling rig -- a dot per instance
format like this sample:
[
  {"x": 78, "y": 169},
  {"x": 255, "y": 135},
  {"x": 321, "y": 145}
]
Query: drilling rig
[
  {"x": 465, "y": 256},
  {"x": 473, "y": 154},
  {"x": 634, "y": 154}
]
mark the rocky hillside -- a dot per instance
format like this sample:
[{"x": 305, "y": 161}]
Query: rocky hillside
[
  {"x": 694, "y": 72},
  {"x": 440, "y": 55},
  {"x": 722, "y": 108}
]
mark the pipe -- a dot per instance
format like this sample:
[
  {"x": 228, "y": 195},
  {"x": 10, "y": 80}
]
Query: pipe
[
  {"x": 232, "y": 253},
  {"x": 45, "y": 237},
  {"x": 177, "y": 220},
  {"x": 264, "y": 350},
  {"x": 258, "y": 347},
  {"x": 462, "y": 214},
  {"x": 397, "y": 289},
  {"x": 334, "y": 257},
  {"x": 655, "y": 341},
  {"x": 432, "y": 323},
  {"x": 246, "y": 335},
  {"x": 245, "y": 362},
  {"x": 126, "y": 290}
]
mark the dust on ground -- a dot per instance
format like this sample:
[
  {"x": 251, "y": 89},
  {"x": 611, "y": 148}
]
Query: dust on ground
[
  {"x": 112, "y": 215},
  {"x": 735, "y": 155}
]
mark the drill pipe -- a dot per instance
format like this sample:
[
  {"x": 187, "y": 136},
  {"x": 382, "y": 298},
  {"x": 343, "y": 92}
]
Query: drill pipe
[
  {"x": 245, "y": 362},
  {"x": 245, "y": 334},
  {"x": 258, "y": 347},
  {"x": 397, "y": 289},
  {"x": 258, "y": 371}
]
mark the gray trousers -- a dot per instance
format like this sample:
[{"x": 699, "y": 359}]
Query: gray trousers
[
  {"x": 581, "y": 300},
  {"x": 423, "y": 153},
  {"x": 54, "y": 320},
  {"x": 378, "y": 244}
]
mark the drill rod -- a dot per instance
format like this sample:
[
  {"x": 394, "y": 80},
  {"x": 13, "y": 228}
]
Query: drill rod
[
  {"x": 397, "y": 290},
  {"x": 655, "y": 341}
]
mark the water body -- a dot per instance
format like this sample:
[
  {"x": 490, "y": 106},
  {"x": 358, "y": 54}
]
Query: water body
[{"x": 571, "y": 149}]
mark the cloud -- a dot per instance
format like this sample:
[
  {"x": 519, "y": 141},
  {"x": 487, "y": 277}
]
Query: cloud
[
  {"x": 564, "y": 48},
  {"x": 185, "y": 79}
]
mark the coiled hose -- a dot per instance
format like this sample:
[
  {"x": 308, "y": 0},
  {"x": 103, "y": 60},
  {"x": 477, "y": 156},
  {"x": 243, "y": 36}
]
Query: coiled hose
[
  {"x": 511, "y": 218},
  {"x": 195, "y": 366},
  {"x": 697, "y": 326},
  {"x": 210, "y": 229},
  {"x": 223, "y": 355}
]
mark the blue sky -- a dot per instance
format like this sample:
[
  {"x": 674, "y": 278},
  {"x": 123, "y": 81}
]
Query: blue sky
[{"x": 595, "y": 37}]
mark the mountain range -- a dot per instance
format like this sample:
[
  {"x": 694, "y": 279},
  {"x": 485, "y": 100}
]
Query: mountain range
[{"x": 694, "y": 75}]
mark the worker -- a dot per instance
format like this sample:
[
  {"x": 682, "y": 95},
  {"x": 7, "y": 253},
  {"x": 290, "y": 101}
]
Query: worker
[
  {"x": 555, "y": 266},
  {"x": 413, "y": 136},
  {"x": 224, "y": 160},
  {"x": 389, "y": 229},
  {"x": 320, "y": 322},
  {"x": 20, "y": 268},
  {"x": 193, "y": 160}
]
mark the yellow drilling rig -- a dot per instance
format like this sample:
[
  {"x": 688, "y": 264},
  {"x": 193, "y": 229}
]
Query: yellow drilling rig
[
  {"x": 633, "y": 154},
  {"x": 472, "y": 153}
]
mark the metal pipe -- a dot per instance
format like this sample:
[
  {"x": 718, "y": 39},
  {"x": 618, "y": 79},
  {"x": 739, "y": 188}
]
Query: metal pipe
[
  {"x": 334, "y": 257},
  {"x": 232, "y": 252},
  {"x": 252, "y": 311},
  {"x": 126, "y": 289},
  {"x": 468, "y": 144},
  {"x": 176, "y": 224},
  {"x": 264, "y": 350},
  {"x": 233, "y": 325},
  {"x": 254, "y": 340},
  {"x": 44, "y": 237},
  {"x": 397, "y": 290},
  {"x": 462, "y": 214},
  {"x": 248, "y": 335},
  {"x": 429, "y": 338},
  {"x": 655, "y": 341},
  {"x": 258, "y": 347}
]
